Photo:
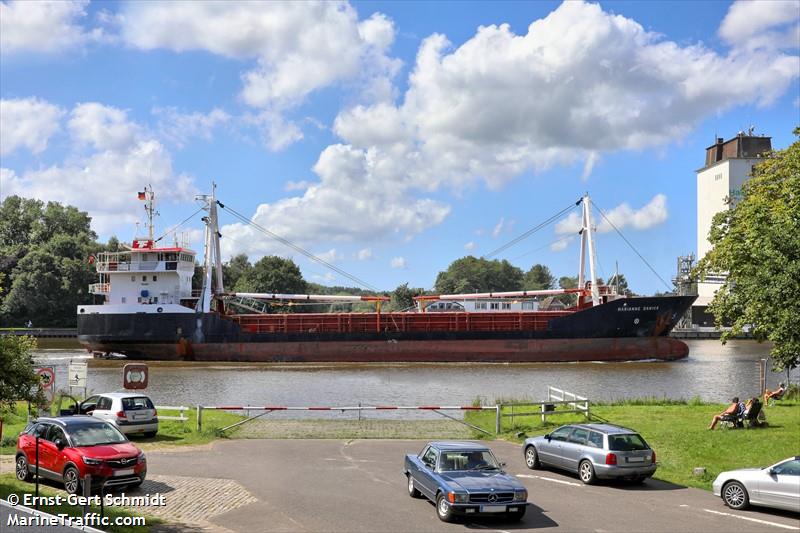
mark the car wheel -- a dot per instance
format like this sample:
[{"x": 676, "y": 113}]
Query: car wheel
[
  {"x": 516, "y": 516},
  {"x": 412, "y": 491},
  {"x": 532, "y": 458},
  {"x": 23, "y": 472},
  {"x": 735, "y": 495},
  {"x": 586, "y": 472},
  {"x": 149, "y": 434},
  {"x": 72, "y": 480},
  {"x": 443, "y": 510}
]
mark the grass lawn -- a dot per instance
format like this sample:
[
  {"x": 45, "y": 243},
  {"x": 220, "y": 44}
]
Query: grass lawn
[
  {"x": 678, "y": 434},
  {"x": 170, "y": 432},
  {"x": 10, "y": 485}
]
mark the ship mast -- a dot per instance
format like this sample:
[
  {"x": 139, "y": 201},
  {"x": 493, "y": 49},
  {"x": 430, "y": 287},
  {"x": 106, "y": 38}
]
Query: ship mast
[
  {"x": 587, "y": 241},
  {"x": 149, "y": 208},
  {"x": 212, "y": 263}
]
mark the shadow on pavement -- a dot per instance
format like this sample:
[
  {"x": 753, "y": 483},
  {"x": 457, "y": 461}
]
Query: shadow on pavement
[
  {"x": 620, "y": 484},
  {"x": 535, "y": 518}
]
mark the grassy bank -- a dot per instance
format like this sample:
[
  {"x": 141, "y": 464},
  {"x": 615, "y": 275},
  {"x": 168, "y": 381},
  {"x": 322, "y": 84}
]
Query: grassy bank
[
  {"x": 677, "y": 431},
  {"x": 170, "y": 432},
  {"x": 10, "y": 485}
]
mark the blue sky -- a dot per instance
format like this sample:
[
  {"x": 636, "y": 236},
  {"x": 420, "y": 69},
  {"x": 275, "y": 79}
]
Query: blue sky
[{"x": 392, "y": 138}]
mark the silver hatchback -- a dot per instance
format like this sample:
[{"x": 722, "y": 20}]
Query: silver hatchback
[{"x": 593, "y": 451}]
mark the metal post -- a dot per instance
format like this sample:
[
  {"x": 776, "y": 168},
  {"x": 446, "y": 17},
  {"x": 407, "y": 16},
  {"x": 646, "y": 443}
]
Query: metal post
[
  {"x": 541, "y": 406},
  {"x": 37, "y": 472},
  {"x": 199, "y": 418},
  {"x": 87, "y": 491},
  {"x": 497, "y": 425},
  {"x": 762, "y": 376}
]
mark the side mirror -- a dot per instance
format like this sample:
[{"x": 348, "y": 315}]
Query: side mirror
[
  {"x": 771, "y": 472},
  {"x": 60, "y": 444},
  {"x": 547, "y": 436}
]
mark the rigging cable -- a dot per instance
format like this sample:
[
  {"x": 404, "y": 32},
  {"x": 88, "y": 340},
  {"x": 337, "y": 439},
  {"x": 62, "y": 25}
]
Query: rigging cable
[
  {"x": 653, "y": 270},
  {"x": 564, "y": 238},
  {"x": 176, "y": 226},
  {"x": 531, "y": 231},
  {"x": 297, "y": 248}
]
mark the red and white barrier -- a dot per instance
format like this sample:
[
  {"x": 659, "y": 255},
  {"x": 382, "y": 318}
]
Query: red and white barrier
[{"x": 347, "y": 408}]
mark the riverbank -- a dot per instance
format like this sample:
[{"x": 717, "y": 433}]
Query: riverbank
[{"x": 677, "y": 432}]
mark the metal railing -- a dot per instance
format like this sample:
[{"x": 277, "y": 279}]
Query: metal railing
[
  {"x": 181, "y": 412},
  {"x": 555, "y": 397}
]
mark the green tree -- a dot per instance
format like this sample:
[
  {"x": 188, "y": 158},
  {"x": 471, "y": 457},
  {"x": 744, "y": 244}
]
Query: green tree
[
  {"x": 539, "y": 278},
  {"x": 568, "y": 282},
  {"x": 234, "y": 269},
  {"x": 471, "y": 274},
  {"x": 403, "y": 297},
  {"x": 757, "y": 243},
  {"x": 272, "y": 274},
  {"x": 18, "y": 380}
]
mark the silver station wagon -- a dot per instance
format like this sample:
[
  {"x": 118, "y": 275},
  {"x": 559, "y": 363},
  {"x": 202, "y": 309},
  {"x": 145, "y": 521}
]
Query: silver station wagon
[{"x": 593, "y": 451}]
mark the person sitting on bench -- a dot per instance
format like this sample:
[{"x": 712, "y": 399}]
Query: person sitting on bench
[
  {"x": 776, "y": 394},
  {"x": 731, "y": 414}
]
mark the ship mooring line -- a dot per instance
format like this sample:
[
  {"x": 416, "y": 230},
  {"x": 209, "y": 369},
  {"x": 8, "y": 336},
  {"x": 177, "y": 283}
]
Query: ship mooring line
[
  {"x": 653, "y": 270},
  {"x": 297, "y": 248},
  {"x": 531, "y": 231}
]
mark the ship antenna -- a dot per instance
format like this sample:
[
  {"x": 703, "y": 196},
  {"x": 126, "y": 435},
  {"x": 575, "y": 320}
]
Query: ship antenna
[{"x": 149, "y": 207}]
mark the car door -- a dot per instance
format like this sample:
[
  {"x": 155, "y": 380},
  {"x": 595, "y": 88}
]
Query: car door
[
  {"x": 103, "y": 409},
  {"x": 29, "y": 448},
  {"x": 48, "y": 451},
  {"x": 56, "y": 457},
  {"x": 552, "y": 448},
  {"x": 780, "y": 485},
  {"x": 573, "y": 448},
  {"x": 426, "y": 475},
  {"x": 88, "y": 405}
]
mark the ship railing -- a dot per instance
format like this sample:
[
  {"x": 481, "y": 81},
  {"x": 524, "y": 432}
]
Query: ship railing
[{"x": 100, "y": 288}]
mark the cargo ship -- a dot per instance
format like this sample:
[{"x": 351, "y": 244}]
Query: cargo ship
[{"x": 150, "y": 312}]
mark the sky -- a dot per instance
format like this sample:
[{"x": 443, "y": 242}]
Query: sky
[{"x": 391, "y": 138}]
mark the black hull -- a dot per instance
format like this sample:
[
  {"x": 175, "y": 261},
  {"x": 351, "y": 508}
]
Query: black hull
[{"x": 626, "y": 329}]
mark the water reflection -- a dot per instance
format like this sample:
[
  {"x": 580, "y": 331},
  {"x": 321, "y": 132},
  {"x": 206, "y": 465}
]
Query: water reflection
[{"x": 712, "y": 371}]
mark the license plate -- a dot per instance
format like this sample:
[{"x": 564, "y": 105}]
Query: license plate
[
  {"x": 125, "y": 472},
  {"x": 493, "y": 508},
  {"x": 139, "y": 417},
  {"x": 635, "y": 459}
]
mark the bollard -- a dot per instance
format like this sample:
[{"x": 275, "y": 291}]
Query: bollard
[
  {"x": 199, "y": 418},
  {"x": 497, "y": 426}
]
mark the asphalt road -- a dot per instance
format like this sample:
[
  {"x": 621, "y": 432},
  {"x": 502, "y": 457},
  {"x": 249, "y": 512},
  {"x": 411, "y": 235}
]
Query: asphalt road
[{"x": 332, "y": 485}]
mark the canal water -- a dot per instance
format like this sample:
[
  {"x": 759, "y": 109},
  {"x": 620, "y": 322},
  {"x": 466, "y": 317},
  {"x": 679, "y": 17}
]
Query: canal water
[{"x": 712, "y": 372}]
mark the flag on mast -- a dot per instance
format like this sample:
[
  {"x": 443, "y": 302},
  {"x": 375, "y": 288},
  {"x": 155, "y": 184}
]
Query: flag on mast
[{"x": 142, "y": 196}]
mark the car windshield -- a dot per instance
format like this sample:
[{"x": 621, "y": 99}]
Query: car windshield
[
  {"x": 626, "y": 443},
  {"x": 137, "y": 403},
  {"x": 95, "y": 433},
  {"x": 468, "y": 460}
]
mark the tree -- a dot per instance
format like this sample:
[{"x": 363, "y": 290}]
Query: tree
[
  {"x": 272, "y": 274},
  {"x": 403, "y": 297},
  {"x": 757, "y": 243},
  {"x": 235, "y": 269},
  {"x": 18, "y": 380},
  {"x": 539, "y": 278},
  {"x": 471, "y": 274},
  {"x": 568, "y": 282}
]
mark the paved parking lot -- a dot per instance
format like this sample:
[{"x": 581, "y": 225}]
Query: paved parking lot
[{"x": 334, "y": 485}]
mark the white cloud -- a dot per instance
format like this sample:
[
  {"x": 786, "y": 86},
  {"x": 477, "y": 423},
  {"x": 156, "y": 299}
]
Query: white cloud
[
  {"x": 652, "y": 214},
  {"x": 331, "y": 256},
  {"x": 469, "y": 246},
  {"x": 498, "y": 228},
  {"x": 27, "y": 122},
  {"x": 300, "y": 185},
  {"x": 364, "y": 254},
  {"x": 561, "y": 244},
  {"x": 179, "y": 128},
  {"x": 765, "y": 24},
  {"x": 328, "y": 277},
  {"x": 588, "y": 165},
  {"x": 42, "y": 27},
  {"x": 116, "y": 158},
  {"x": 299, "y": 48},
  {"x": 581, "y": 82},
  {"x": 398, "y": 262}
]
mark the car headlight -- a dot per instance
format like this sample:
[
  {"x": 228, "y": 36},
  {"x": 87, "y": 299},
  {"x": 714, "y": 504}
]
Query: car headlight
[
  {"x": 141, "y": 458},
  {"x": 520, "y": 495},
  {"x": 91, "y": 462},
  {"x": 455, "y": 497}
]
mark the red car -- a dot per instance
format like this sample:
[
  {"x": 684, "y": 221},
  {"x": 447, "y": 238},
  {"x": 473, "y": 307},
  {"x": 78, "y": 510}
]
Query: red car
[{"x": 70, "y": 447}]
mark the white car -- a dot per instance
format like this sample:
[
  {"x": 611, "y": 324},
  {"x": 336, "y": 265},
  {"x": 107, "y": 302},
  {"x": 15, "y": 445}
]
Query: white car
[
  {"x": 775, "y": 486},
  {"x": 133, "y": 413}
]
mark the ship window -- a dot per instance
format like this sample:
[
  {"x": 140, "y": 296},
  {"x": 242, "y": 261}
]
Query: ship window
[
  {"x": 506, "y": 305},
  {"x": 124, "y": 299},
  {"x": 480, "y": 305},
  {"x": 133, "y": 278},
  {"x": 155, "y": 278},
  {"x": 495, "y": 305},
  {"x": 144, "y": 278},
  {"x": 527, "y": 306}
]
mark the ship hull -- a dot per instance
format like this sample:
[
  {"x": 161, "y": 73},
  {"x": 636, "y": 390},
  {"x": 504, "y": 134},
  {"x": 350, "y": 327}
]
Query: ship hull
[{"x": 635, "y": 329}]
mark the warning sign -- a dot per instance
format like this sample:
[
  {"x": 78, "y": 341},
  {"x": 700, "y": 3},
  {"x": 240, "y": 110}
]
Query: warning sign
[
  {"x": 77, "y": 374},
  {"x": 134, "y": 376},
  {"x": 48, "y": 376}
]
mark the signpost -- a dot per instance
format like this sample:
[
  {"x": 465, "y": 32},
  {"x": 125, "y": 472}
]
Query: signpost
[
  {"x": 76, "y": 375},
  {"x": 135, "y": 376},
  {"x": 48, "y": 376}
]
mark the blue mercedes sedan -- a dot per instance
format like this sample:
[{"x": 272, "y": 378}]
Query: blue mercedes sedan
[{"x": 464, "y": 479}]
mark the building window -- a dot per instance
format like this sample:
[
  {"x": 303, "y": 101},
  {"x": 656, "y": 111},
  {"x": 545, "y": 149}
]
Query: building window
[
  {"x": 717, "y": 177},
  {"x": 495, "y": 305},
  {"x": 144, "y": 278},
  {"x": 155, "y": 278},
  {"x": 124, "y": 300}
]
